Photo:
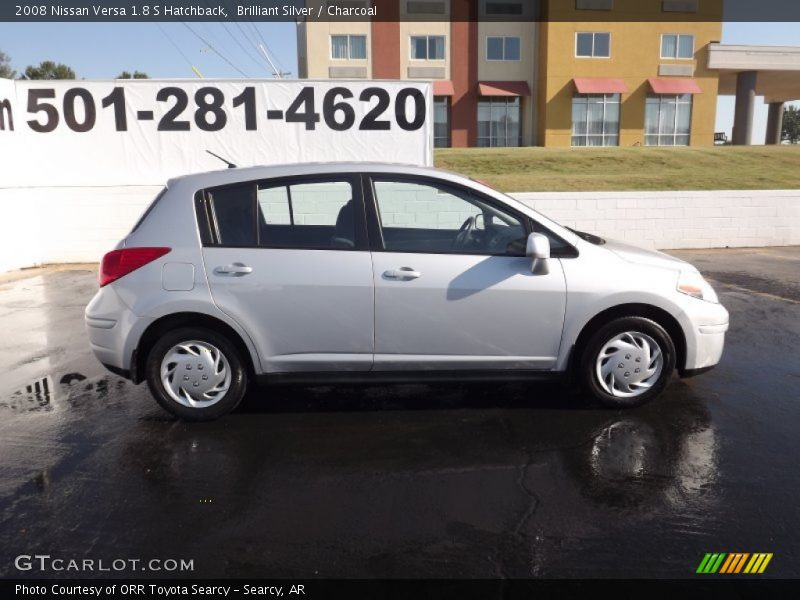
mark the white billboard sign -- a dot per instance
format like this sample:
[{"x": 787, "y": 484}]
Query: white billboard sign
[{"x": 142, "y": 132}]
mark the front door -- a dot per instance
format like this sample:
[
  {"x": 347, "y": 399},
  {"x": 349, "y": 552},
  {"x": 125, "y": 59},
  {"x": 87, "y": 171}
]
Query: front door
[
  {"x": 453, "y": 289},
  {"x": 288, "y": 260}
]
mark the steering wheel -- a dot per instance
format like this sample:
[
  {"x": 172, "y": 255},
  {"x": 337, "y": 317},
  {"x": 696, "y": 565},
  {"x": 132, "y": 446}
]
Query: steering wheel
[{"x": 464, "y": 233}]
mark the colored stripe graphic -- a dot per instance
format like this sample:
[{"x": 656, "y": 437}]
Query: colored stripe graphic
[
  {"x": 703, "y": 563},
  {"x": 734, "y": 563},
  {"x": 728, "y": 562},
  {"x": 765, "y": 563}
]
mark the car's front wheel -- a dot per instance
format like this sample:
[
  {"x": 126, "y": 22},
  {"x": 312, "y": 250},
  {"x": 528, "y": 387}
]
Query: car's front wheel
[
  {"x": 196, "y": 374},
  {"x": 627, "y": 362}
]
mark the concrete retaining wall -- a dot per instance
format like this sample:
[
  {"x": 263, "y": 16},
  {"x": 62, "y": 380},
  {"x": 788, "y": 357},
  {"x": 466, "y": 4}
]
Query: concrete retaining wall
[
  {"x": 672, "y": 220},
  {"x": 57, "y": 225}
]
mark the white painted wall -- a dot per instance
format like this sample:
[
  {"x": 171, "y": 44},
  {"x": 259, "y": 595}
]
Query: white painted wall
[
  {"x": 66, "y": 224},
  {"x": 672, "y": 220},
  {"x": 71, "y": 224}
]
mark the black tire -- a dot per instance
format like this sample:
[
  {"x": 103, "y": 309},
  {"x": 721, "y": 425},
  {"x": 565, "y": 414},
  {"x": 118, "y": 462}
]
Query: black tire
[
  {"x": 226, "y": 403},
  {"x": 589, "y": 379}
]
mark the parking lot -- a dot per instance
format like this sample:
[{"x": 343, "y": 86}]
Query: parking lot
[{"x": 478, "y": 480}]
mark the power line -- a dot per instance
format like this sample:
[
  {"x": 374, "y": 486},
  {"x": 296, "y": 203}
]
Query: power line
[
  {"x": 213, "y": 49},
  {"x": 171, "y": 41},
  {"x": 238, "y": 43}
]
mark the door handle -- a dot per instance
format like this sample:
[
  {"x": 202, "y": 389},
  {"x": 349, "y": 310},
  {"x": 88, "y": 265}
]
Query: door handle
[
  {"x": 402, "y": 274},
  {"x": 235, "y": 270}
]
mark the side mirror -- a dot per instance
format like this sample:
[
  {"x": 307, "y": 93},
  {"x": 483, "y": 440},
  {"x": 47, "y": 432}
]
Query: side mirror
[{"x": 538, "y": 248}]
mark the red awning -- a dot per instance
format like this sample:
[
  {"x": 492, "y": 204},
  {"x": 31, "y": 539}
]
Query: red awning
[
  {"x": 675, "y": 86},
  {"x": 600, "y": 85},
  {"x": 504, "y": 88},
  {"x": 443, "y": 88}
]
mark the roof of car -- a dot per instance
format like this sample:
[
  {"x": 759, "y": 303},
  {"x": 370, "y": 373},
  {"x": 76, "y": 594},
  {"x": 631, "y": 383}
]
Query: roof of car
[{"x": 232, "y": 175}]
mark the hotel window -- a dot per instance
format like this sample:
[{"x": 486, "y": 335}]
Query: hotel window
[
  {"x": 668, "y": 120},
  {"x": 592, "y": 44},
  {"x": 427, "y": 47},
  {"x": 349, "y": 47},
  {"x": 441, "y": 122},
  {"x": 502, "y": 48},
  {"x": 595, "y": 120},
  {"x": 498, "y": 122},
  {"x": 677, "y": 46}
]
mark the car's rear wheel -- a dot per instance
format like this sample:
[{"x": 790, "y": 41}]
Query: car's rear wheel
[
  {"x": 627, "y": 362},
  {"x": 196, "y": 374}
]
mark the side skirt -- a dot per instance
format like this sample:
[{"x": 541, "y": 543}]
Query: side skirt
[{"x": 381, "y": 377}]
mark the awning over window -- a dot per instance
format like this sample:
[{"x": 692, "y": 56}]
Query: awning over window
[
  {"x": 600, "y": 85},
  {"x": 504, "y": 88},
  {"x": 674, "y": 86},
  {"x": 443, "y": 88}
]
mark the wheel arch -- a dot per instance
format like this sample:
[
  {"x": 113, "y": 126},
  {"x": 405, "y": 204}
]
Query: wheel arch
[
  {"x": 187, "y": 319},
  {"x": 648, "y": 311}
]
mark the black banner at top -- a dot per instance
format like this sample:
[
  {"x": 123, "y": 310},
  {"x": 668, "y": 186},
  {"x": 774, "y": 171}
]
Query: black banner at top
[{"x": 399, "y": 10}]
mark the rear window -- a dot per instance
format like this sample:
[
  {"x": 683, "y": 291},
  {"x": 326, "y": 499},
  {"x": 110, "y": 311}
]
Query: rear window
[{"x": 149, "y": 209}]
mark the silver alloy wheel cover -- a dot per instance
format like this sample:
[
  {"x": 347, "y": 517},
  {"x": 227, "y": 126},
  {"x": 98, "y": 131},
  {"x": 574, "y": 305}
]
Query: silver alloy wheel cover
[
  {"x": 195, "y": 374},
  {"x": 629, "y": 364}
]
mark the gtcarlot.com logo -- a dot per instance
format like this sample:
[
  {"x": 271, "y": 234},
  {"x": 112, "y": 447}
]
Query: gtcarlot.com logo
[
  {"x": 46, "y": 562},
  {"x": 734, "y": 563}
]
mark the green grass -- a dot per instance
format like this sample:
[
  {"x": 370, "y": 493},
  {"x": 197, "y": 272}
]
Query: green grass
[{"x": 621, "y": 169}]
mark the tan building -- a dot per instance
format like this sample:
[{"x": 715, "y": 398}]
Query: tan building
[{"x": 555, "y": 73}]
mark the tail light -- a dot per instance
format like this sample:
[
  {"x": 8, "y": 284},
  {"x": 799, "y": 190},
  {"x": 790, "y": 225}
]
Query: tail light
[{"x": 119, "y": 263}]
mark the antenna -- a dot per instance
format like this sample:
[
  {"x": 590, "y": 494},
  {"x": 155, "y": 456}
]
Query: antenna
[{"x": 227, "y": 162}]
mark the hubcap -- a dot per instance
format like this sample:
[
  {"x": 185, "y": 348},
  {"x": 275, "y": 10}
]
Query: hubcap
[
  {"x": 629, "y": 364},
  {"x": 195, "y": 374}
]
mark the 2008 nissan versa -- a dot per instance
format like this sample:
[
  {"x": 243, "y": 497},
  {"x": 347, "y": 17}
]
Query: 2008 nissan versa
[{"x": 376, "y": 272}]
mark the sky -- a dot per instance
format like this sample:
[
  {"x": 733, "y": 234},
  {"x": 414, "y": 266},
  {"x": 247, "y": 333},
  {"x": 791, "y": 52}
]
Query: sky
[{"x": 104, "y": 50}]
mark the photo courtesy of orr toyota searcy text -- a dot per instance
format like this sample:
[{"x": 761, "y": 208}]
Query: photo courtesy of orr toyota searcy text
[{"x": 159, "y": 591}]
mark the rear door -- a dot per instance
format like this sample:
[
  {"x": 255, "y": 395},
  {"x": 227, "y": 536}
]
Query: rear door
[
  {"x": 453, "y": 288},
  {"x": 288, "y": 260}
]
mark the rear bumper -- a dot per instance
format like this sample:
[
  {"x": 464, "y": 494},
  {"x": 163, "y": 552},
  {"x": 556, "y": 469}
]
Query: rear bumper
[{"x": 114, "y": 331}]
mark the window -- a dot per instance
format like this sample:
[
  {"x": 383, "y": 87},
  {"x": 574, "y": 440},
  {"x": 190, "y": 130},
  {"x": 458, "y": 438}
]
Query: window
[
  {"x": 314, "y": 215},
  {"x": 502, "y": 48},
  {"x": 498, "y": 122},
  {"x": 233, "y": 213},
  {"x": 677, "y": 46},
  {"x": 425, "y": 8},
  {"x": 493, "y": 7},
  {"x": 441, "y": 122},
  {"x": 437, "y": 218},
  {"x": 427, "y": 47},
  {"x": 594, "y": 4},
  {"x": 349, "y": 47},
  {"x": 307, "y": 215},
  {"x": 668, "y": 120},
  {"x": 592, "y": 44},
  {"x": 595, "y": 119}
]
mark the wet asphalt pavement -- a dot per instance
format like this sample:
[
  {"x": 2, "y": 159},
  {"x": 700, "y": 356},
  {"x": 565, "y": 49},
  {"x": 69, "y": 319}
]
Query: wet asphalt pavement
[{"x": 471, "y": 480}]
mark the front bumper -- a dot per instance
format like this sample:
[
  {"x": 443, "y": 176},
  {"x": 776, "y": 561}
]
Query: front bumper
[{"x": 705, "y": 336}]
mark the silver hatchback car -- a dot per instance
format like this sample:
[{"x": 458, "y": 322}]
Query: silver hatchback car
[{"x": 356, "y": 272}]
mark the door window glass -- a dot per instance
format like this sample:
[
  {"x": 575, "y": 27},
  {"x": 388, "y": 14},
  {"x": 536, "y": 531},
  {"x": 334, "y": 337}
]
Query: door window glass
[
  {"x": 426, "y": 217},
  {"x": 307, "y": 215},
  {"x": 232, "y": 210}
]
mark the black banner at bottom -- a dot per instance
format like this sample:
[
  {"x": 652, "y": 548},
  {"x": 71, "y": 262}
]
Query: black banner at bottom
[{"x": 316, "y": 589}]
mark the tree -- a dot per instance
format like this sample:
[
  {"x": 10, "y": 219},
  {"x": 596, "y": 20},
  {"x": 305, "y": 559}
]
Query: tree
[
  {"x": 136, "y": 75},
  {"x": 5, "y": 66},
  {"x": 791, "y": 124},
  {"x": 48, "y": 69}
]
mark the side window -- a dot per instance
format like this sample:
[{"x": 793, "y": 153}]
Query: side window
[
  {"x": 232, "y": 209},
  {"x": 428, "y": 217},
  {"x": 314, "y": 215}
]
